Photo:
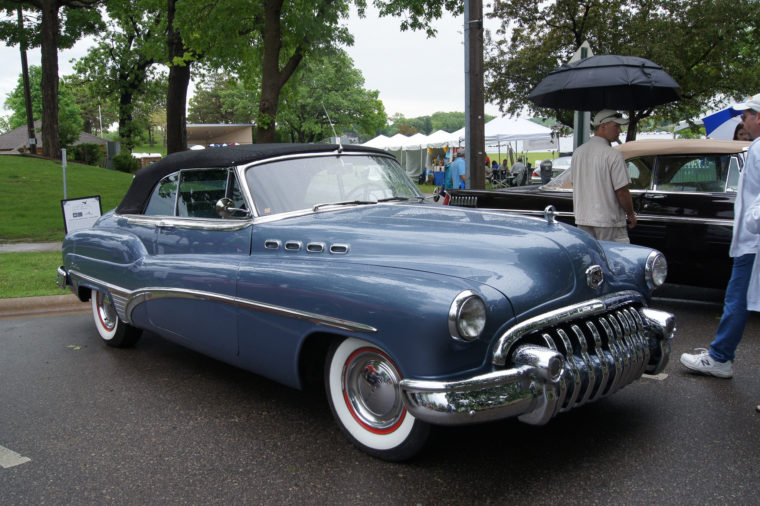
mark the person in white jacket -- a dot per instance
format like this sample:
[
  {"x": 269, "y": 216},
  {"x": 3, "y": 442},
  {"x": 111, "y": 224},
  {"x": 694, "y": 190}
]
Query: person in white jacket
[
  {"x": 745, "y": 246},
  {"x": 752, "y": 223}
]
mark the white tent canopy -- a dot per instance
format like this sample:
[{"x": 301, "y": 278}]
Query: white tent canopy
[
  {"x": 441, "y": 138},
  {"x": 379, "y": 142},
  {"x": 414, "y": 155},
  {"x": 506, "y": 129},
  {"x": 412, "y": 152},
  {"x": 397, "y": 142}
]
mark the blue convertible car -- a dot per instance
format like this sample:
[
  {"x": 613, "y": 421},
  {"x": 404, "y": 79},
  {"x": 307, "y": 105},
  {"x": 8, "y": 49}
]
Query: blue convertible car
[{"x": 296, "y": 261}]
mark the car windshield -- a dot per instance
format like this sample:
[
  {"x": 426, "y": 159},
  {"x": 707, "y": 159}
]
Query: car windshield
[
  {"x": 302, "y": 183},
  {"x": 561, "y": 182}
]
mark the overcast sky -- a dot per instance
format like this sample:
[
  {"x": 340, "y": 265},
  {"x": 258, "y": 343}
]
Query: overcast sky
[{"x": 415, "y": 76}]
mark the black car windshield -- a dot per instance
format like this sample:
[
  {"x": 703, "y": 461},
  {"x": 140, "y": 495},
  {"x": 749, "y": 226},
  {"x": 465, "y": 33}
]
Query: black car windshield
[{"x": 303, "y": 183}]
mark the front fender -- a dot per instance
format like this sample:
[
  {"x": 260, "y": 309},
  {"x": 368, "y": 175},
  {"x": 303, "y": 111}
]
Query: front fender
[
  {"x": 628, "y": 266},
  {"x": 407, "y": 310}
]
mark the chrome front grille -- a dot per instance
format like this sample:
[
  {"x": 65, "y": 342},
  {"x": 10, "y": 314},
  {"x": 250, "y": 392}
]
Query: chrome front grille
[
  {"x": 603, "y": 353},
  {"x": 463, "y": 201}
]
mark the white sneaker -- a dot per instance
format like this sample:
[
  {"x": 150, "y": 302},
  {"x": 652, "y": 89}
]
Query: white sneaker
[{"x": 702, "y": 362}]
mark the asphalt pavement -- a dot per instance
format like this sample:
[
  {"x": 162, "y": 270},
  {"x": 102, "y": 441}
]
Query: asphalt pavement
[{"x": 81, "y": 423}]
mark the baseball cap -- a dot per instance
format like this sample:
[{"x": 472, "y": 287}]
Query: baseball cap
[
  {"x": 607, "y": 115},
  {"x": 753, "y": 103}
]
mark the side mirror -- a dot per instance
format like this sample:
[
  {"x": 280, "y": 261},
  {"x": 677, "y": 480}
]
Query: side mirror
[{"x": 225, "y": 209}]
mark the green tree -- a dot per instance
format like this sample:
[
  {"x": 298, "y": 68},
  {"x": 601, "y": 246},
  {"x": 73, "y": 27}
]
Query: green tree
[
  {"x": 96, "y": 108},
  {"x": 448, "y": 121},
  {"x": 69, "y": 113},
  {"x": 324, "y": 85},
  {"x": 272, "y": 38},
  {"x": 120, "y": 66},
  {"x": 708, "y": 51},
  {"x": 223, "y": 98},
  {"x": 60, "y": 24}
]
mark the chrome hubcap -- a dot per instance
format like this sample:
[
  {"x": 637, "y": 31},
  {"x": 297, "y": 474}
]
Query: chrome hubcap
[
  {"x": 105, "y": 312},
  {"x": 372, "y": 392}
]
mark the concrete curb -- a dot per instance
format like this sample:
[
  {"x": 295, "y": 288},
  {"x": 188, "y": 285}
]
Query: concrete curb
[{"x": 44, "y": 305}]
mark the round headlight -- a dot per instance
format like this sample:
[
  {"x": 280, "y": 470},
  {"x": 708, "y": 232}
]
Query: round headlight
[
  {"x": 656, "y": 269},
  {"x": 467, "y": 316}
]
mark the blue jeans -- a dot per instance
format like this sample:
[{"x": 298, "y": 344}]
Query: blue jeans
[{"x": 735, "y": 314}]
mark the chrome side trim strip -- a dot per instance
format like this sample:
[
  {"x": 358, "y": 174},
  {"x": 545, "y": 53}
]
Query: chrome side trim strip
[
  {"x": 211, "y": 224},
  {"x": 654, "y": 218},
  {"x": 146, "y": 294},
  {"x": 126, "y": 301}
]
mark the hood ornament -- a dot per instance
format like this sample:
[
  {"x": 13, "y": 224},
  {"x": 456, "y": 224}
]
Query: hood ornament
[
  {"x": 550, "y": 214},
  {"x": 594, "y": 277}
]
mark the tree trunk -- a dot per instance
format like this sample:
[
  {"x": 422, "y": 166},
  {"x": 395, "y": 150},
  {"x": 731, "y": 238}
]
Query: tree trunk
[
  {"x": 27, "y": 93},
  {"x": 272, "y": 78},
  {"x": 126, "y": 135},
  {"x": 130, "y": 80},
  {"x": 633, "y": 126},
  {"x": 176, "y": 108},
  {"x": 176, "y": 97},
  {"x": 51, "y": 146}
]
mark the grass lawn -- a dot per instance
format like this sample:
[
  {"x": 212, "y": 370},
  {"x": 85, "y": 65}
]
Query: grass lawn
[
  {"x": 31, "y": 190},
  {"x": 29, "y": 274}
]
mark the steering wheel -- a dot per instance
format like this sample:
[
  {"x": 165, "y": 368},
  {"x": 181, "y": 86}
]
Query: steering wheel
[{"x": 365, "y": 189}]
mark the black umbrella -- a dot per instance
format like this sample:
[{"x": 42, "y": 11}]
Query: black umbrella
[{"x": 606, "y": 81}]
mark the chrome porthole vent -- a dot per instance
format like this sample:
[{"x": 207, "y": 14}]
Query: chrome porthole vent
[
  {"x": 339, "y": 249},
  {"x": 293, "y": 246},
  {"x": 315, "y": 247},
  {"x": 272, "y": 244}
]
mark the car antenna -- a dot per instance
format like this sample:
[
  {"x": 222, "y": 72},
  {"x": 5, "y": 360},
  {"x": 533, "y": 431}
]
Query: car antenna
[{"x": 340, "y": 144}]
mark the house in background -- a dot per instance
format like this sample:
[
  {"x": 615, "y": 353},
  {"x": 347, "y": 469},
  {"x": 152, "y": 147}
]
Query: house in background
[
  {"x": 205, "y": 135},
  {"x": 17, "y": 140}
]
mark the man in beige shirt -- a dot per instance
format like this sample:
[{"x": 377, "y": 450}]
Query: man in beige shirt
[{"x": 602, "y": 202}]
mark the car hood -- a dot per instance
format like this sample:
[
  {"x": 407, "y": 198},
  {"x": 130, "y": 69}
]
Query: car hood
[{"x": 527, "y": 259}]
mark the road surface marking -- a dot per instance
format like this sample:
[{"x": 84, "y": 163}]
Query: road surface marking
[{"x": 9, "y": 458}]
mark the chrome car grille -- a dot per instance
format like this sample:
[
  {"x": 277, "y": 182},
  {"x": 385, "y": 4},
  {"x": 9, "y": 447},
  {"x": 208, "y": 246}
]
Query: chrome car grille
[
  {"x": 463, "y": 201},
  {"x": 603, "y": 353}
]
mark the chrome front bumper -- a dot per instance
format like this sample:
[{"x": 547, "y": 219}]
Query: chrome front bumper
[{"x": 580, "y": 357}]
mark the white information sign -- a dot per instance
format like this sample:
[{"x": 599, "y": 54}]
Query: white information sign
[{"x": 80, "y": 213}]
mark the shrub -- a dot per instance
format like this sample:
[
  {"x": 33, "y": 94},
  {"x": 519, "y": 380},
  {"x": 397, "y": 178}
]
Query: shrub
[
  {"x": 91, "y": 154},
  {"x": 124, "y": 162}
]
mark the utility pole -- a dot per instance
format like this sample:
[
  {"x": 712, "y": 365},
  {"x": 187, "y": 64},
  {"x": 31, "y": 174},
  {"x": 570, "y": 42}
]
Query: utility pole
[
  {"x": 581, "y": 119},
  {"x": 27, "y": 93},
  {"x": 475, "y": 141}
]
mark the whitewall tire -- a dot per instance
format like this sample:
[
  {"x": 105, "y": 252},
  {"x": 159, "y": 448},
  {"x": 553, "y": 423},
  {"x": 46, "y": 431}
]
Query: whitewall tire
[
  {"x": 363, "y": 390},
  {"x": 111, "y": 329}
]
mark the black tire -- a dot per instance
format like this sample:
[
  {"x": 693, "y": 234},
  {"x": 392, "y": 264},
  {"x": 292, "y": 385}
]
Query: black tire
[
  {"x": 113, "y": 332},
  {"x": 362, "y": 389}
]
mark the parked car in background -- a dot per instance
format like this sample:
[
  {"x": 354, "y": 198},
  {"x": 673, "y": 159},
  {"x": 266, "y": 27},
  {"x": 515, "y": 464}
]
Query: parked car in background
[
  {"x": 559, "y": 165},
  {"x": 324, "y": 263},
  {"x": 683, "y": 193}
]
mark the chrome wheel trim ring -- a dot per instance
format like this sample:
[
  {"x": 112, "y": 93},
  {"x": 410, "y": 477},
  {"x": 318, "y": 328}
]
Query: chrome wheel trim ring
[
  {"x": 371, "y": 391},
  {"x": 106, "y": 313}
]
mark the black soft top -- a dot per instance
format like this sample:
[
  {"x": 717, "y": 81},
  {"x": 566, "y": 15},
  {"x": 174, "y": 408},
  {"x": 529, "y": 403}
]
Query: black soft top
[{"x": 229, "y": 156}]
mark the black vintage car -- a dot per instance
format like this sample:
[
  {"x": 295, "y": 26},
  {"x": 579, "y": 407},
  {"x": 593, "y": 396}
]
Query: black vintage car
[{"x": 683, "y": 192}]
